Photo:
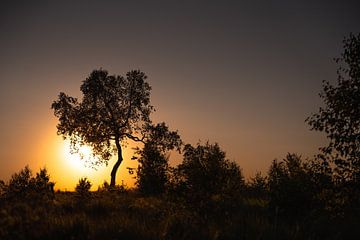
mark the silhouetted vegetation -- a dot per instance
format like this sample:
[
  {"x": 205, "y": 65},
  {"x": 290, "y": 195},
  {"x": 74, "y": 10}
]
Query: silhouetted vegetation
[
  {"x": 83, "y": 188},
  {"x": 206, "y": 195},
  {"x": 24, "y": 186},
  {"x": 207, "y": 182},
  {"x": 113, "y": 109},
  {"x": 340, "y": 120},
  {"x": 153, "y": 171}
]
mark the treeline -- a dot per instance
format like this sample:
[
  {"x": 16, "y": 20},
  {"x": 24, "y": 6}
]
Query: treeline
[
  {"x": 206, "y": 196},
  {"x": 291, "y": 187}
]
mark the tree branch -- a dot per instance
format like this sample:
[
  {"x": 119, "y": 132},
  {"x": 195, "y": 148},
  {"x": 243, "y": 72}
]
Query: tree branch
[{"x": 134, "y": 138}]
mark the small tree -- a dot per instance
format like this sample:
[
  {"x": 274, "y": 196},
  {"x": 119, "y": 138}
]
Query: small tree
[
  {"x": 153, "y": 170},
  {"x": 113, "y": 109}
]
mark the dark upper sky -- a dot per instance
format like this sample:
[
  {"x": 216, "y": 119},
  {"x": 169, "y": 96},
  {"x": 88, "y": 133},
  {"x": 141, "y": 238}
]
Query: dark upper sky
[{"x": 242, "y": 73}]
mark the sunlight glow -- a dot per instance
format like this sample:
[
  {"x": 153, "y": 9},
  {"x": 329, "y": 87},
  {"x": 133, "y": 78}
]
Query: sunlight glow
[
  {"x": 66, "y": 168},
  {"x": 77, "y": 160}
]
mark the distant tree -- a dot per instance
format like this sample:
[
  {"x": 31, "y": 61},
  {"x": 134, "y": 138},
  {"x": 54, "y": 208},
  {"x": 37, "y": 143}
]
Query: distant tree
[
  {"x": 113, "y": 109},
  {"x": 340, "y": 117},
  {"x": 153, "y": 170}
]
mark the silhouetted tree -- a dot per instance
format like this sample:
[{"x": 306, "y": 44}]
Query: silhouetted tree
[
  {"x": 340, "y": 118},
  {"x": 290, "y": 187},
  {"x": 113, "y": 109},
  {"x": 152, "y": 173},
  {"x": 210, "y": 182}
]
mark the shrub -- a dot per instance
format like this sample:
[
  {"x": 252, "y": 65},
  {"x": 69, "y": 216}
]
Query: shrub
[
  {"x": 23, "y": 185},
  {"x": 83, "y": 187},
  {"x": 209, "y": 182}
]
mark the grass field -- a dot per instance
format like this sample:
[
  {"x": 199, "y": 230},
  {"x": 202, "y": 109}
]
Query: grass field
[{"x": 129, "y": 215}]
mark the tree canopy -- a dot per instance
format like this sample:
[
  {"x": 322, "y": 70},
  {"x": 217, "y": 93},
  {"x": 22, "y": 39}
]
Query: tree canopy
[{"x": 340, "y": 117}]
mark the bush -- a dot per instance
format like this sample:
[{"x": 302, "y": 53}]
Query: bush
[
  {"x": 209, "y": 182},
  {"x": 23, "y": 185},
  {"x": 83, "y": 188}
]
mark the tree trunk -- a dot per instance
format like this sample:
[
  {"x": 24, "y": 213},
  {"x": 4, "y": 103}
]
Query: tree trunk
[{"x": 117, "y": 164}]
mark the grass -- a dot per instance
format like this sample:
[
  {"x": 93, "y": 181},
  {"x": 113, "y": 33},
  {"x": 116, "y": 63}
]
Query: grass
[{"x": 129, "y": 215}]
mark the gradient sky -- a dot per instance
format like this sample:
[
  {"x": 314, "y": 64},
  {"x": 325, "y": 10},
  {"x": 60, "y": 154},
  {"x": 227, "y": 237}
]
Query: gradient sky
[{"x": 244, "y": 74}]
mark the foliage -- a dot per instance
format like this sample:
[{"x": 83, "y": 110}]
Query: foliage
[
  {"x": 83, "y": 187},
  {"x": 211, "y": 184},
  {"x": 3, "y": 189},
  {"x": 339, "y": 119},
  {"x": 112, "y": 215},
  {"x": 291, "y": 189},
  {"x": 258, "y": 186},
  {"x": 23, "y": 185},
  {"x": 160, "y": 137},
  {"x": 113, "y": 109},
  {"x": 153, "y": 170}
]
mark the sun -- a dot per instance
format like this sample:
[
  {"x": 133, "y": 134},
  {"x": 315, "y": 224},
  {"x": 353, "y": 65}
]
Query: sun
[{"x": 76, "y": 160}]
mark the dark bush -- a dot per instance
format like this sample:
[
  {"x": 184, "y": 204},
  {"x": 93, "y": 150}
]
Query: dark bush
[
  {"x": 23, "y": 185},
  {"x": 208, "y": 181},
  {"x": 83, "y": 188}
]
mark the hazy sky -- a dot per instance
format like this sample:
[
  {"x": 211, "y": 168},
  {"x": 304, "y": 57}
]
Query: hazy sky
[{"x": 244, "y": 74}]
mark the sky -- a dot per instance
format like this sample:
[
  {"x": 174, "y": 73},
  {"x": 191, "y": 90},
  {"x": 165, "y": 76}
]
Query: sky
[{"x": 245, "y": 74}]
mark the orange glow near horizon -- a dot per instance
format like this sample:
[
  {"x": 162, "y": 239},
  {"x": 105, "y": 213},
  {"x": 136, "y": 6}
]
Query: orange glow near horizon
[{"x": 66, "y": 169}]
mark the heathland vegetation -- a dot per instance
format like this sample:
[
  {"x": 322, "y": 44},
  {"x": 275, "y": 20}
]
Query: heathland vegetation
[{"x": 206, "y": 195}]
